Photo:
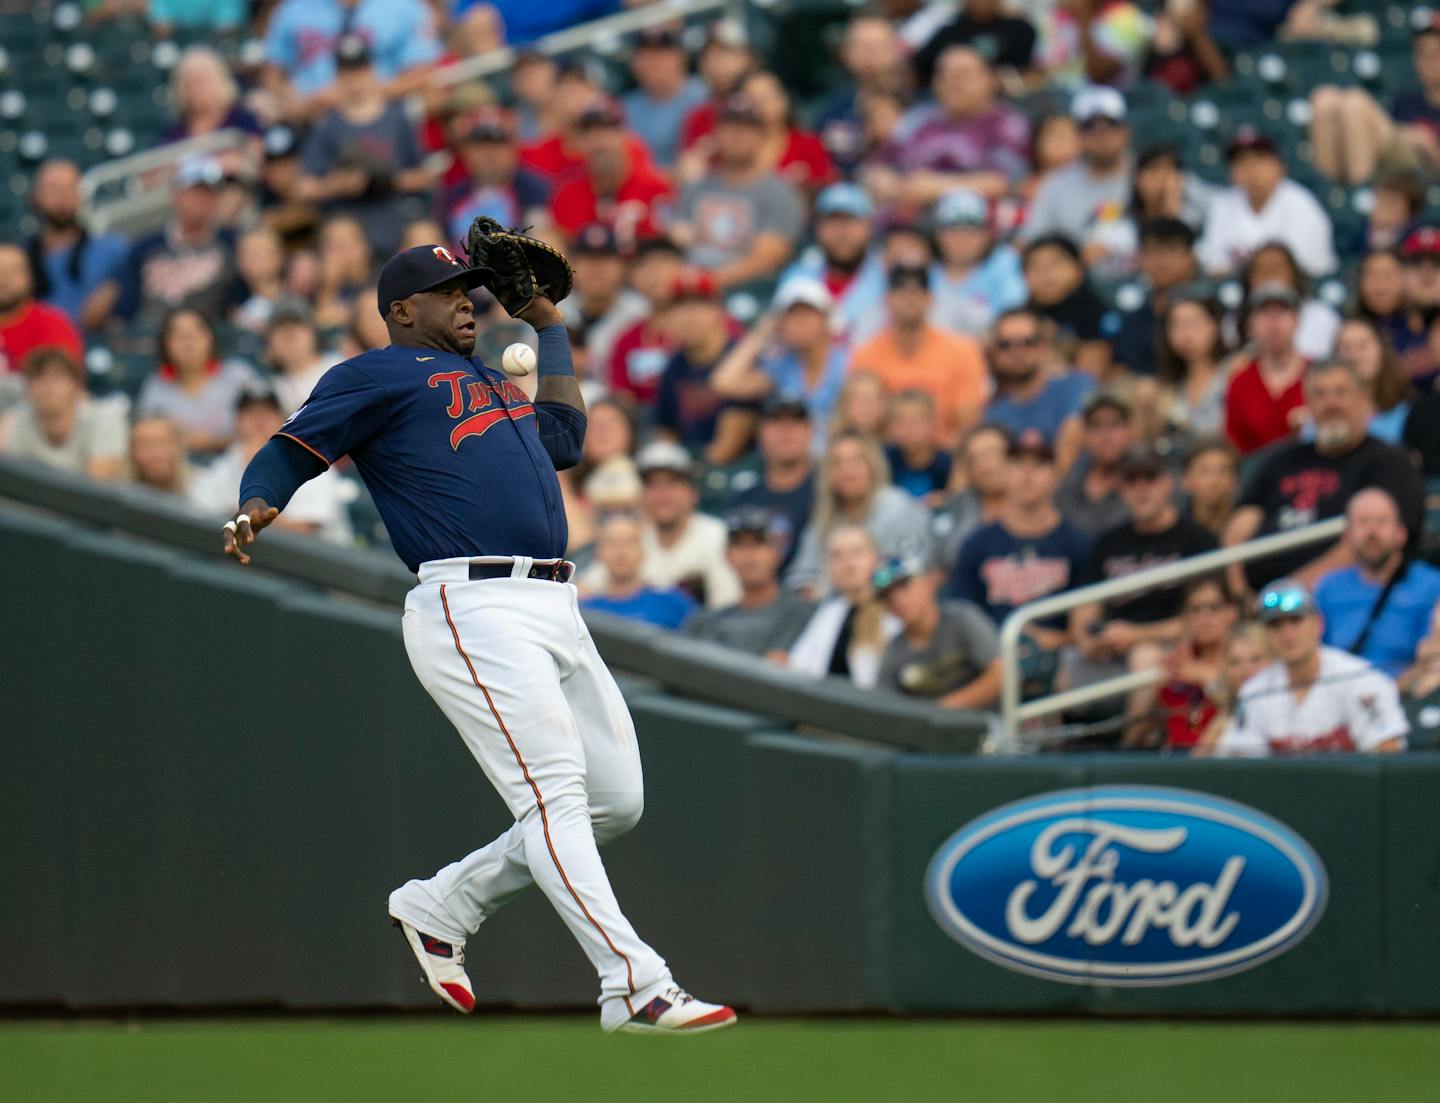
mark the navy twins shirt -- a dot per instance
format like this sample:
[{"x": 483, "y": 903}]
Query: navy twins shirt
[{"x": 457, "y": 458}]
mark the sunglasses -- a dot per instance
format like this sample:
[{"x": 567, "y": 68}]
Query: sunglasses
[
  {"x": 1005, "y": 344},
  {"x": 1295, "y": 602}
]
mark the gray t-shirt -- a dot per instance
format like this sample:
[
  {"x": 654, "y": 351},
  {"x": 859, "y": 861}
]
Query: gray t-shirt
[
  {"x": 382, "y": 147},
  {"x": 1076, "y": 204},
  {"x": 210, "y": 410},
  {"x": 1091, "y": 516},
  {"x": 725, "y": 219},
  {"x": 99, "y": 434},
  {"x": 963, "y": 644},
  {"x": 772, "y": 627}
]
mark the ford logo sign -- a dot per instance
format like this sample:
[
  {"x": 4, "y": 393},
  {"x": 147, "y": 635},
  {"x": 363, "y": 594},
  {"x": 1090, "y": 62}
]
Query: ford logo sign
[{"x": 1126, "y": 885}]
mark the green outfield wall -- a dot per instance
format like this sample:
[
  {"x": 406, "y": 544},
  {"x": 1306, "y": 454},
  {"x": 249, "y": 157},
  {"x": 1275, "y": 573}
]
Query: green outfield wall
[{"x": 211, "y": 779}]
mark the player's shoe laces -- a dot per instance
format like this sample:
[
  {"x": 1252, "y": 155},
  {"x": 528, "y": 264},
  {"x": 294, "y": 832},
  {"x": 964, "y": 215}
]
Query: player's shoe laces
[
  {"x": 443, "y": 964},
  {"x": 676, "y": 1011}
]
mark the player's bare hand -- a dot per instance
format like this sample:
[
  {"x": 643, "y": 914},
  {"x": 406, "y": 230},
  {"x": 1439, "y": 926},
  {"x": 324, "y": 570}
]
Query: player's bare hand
[
  {"x": 240, "y": 531},
  {"x": 541, "y": 312}
]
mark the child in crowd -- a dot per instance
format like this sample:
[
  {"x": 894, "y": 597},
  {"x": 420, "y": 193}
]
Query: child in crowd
[{"x": 916, "y": 465}]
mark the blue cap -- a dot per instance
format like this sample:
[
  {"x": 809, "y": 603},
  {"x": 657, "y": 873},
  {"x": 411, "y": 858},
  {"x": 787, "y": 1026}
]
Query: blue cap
[
  {"x": 847, "y": 199},
  {"x": 1285, "y": 597},
  {"x": 198, "y": 169},
  {"x": 962, "y": 207},
  {"x": 896, "y": 570},
  {"x": 423, "y": 268}
]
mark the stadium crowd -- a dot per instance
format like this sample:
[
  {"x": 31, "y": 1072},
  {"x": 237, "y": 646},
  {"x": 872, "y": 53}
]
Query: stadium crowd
[{"x": 864, "y": 375}]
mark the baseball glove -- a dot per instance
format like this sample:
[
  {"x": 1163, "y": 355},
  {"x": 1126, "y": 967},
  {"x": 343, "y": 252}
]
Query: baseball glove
[{"x": 519, "y": 267}]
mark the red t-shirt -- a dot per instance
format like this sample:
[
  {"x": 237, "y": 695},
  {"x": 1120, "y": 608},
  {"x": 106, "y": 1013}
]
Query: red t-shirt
[
  {"x": 638, "y": 361},
  {"x": 1253, "y": 416},
  {"x": 552, "y": 158},
  {"x": 805, "y": 162},
  {"x": 1188, "y": 712},
  {"x": 633, "y": 212},
  {"x": 699, "y": 123},
  {"x": 34, "y": 326}
]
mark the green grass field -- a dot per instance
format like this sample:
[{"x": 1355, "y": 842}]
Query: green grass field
[{"x": 563, "y": 1058}]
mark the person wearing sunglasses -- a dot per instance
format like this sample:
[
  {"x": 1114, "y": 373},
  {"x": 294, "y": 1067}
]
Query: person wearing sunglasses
[
  {"x": 1029, "y": 392},
  {"x": 1311, "y": 698}
]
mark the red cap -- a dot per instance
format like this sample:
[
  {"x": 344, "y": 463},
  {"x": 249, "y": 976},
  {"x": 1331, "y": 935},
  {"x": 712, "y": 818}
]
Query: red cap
[
  {"x": 694, "y": 283},
  {"x": 1423, "y": 241}
]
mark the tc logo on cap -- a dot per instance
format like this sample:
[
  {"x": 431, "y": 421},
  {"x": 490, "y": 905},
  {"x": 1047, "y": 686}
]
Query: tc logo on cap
[{"x": 444, "y": 254}]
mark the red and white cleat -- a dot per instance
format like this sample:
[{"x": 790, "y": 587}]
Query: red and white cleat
[
  {"x": 675, "y": 1011},
  {"x": 443, "y": 964}
]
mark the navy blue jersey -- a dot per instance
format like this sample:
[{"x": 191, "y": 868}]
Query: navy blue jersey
[
  {"x": 457, "y": 458},
  {"x": 1000, "y": 572}
]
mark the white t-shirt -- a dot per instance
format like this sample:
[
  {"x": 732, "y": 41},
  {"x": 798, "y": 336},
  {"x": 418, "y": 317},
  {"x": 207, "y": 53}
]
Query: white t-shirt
[
  {"x": 1351, "y": 707},
  {"x": 698, "y": 554},
  {"x": 1294, "y": 217}
]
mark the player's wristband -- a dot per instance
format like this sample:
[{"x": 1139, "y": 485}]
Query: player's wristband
[{"x": 554, "y": 358}]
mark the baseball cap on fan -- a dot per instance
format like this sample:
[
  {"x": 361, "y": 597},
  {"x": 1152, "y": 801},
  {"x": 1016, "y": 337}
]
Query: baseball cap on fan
[
  {"x": 197, "y": 170},
  {"x": 664, "y": 455},
  {"x": 1285, "y": 597},
  {"x": 421, "y": 268},
  {"x": 803, "y": 291},
  {"x": 961, "y": 207},
  {"x": 1423, "y": 242},
  {"x": 1097, "y": 101},
  {"x": 844, "y": 199}
]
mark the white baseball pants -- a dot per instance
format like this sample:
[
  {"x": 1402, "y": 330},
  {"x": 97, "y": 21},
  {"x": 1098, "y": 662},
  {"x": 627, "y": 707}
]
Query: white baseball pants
[{"x": 511, "y": 663}]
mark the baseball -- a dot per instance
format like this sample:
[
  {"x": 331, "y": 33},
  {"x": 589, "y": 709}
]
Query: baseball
[{"x": 518, "y": 359}]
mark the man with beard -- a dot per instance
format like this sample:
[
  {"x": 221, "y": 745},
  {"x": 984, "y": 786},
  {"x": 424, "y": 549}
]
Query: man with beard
[
  {"x": 75, "y": 271},
  {"x": 1309, "y": 481},
  {"x": 844, "y": 260},
  {"x": 1027, "y": 395},
  {"x": 26, "y": 325}
]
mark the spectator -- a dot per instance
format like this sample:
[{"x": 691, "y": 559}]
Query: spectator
[
  {"x": 1164, "y": 190},
  {"x": 1085, "y": 201},
  {"x": 1397, "y": 200},
  {"x": 945, "y": 651},
  {"x": 863, "y": 406},
  {"x": 854, "y": 488},
  {"x": 1028, "y": 551},
  {"x": 983, "y": 462},
  {"x": 1380, "y": 296},
  {"x": 620, "y": 556},
  {"x": 605, "y": 479},
  {"x": 740, "y": 219},
  {"x": 75, "y": 271},
  {"x": 1273, "y": 263},
  {"x": 905, "y": 243},
  {"x": 1211, "y": 479},
  {"x": 533, "y": 81},
  {"x": 803, "y": 361},
  {"x": 318, "y": 507},
  {"x": 278, "y": 188},
  {"x": 601, "y": 307},
  {"x": 689, "y": 406},
  {"x": 1167, "y": 267},
  {"x": 916, "y": 465},
  {"x": 613, "y": 184},
  {"x": 798, "y": 156},
  {"x": 1308, "y": 481},
  {"x": 190, "y": 262},
  {"x": 1092, "y": 41},
  {"x": 1420, "y": 275},
  {"x": 1265, "y": 399},
  {"x": 493, "y": 183},
  {"x": 785, "y": 484},
  {"x": 843, "y": 259},
  {"x": 1054, "y": 144},
  {"x": 724, "y": 61},
  {"x": 912, "y": 354},
  {"x": 1185, "y": 699},
  {"x": 364, "y": 328},
  {"x": 1263, "y": 205},
  {"x": 205, "y": 98},
  {"x": 1133, "y": 633},
  {"x": 847, "y": 634},
  {"x": 57, "y": 425},
  {"x": 977, "y": 276},
  {"x": 1245, "y": 653},
  {"x": 157, "y": 456},
  {"x": 1091, "y": 495},
  {"x": 642, "y": 351},
  {"x": 665, "y": 92},
  {"x": 260, "y": 268},
  {"x": 293, "y": 352},
  {"x": 1187, "y": 397},
  {"x": 346, "y": 263},
  {"x": 766, "y": 620},
  {"x": 1182, "y": 55},
  {"x": 1060, "y": 292},
  {"x": 26, "y": 325},
  {"x": 363, "y": 159},
  {"x": 1312, "y": 697},
  {"x": 1379, "y": 607},
  {"x": 301, "y": 38},
  {"x": 1363, "y": 344},
  {"x": 965, "y": 139},
  {"x": 192, "y": 385},
  {"x": 872, "y": 57},
  {"x": 1028, "y": 395},
  {"x": 1007, "y": 40}
]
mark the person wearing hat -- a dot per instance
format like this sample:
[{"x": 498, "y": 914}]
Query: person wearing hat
[
  {"x": 978, "y": 276},
  {"x": 1090, "y": 495},
  {"x": 612, "y": 184},
  {"x": 57, "y": 425},
  {"x": 363, "y": 158},
  {"x": 1263, "y": 204},
  {"x": 766, "y": 620},
  {"x": 642, "y": 351},
  {"x": 294, "y": 354},
  {"x": 601, "y": 306},
  {"x": 845, "y": 258},
  {"x": 1007, "y": 39},
  {"x": 724, "y": 60},
  {"x": 741, "y": 219},
  {"x": 873, "y": 58},
  {"x": 665, "y": 92},
  {"x": 947, "y": 651},
  {"x": 912, "y": 354},
  {"x": 785, "y": 483},
  {"x": 1166, "y": 257},
  {"x": 1265, "y": 401},
  {"x": 1312, "y": 698},
  {"x": 623, "y": 592},
  {"x": 493, "y": 182}
]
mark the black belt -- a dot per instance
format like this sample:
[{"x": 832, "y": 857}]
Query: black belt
[{"x": 558, "y": 571}]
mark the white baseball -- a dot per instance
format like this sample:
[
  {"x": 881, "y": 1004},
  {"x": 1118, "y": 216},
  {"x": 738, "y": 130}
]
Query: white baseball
[{"x": 518, "y": 359}]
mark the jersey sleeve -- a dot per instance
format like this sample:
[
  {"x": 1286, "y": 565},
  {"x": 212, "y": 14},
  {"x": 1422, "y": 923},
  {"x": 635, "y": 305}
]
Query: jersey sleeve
[
  {"x": 345, "y": 409},
  {"x": 1376, "y": 715}
]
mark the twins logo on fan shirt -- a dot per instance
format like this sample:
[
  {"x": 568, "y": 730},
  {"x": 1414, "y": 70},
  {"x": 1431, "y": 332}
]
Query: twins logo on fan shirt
[{"x": 486, "y": 403}]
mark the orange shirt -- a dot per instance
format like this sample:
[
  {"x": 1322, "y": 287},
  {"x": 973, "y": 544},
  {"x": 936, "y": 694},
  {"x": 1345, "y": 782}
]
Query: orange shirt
[{"x": 949, "y": 366}]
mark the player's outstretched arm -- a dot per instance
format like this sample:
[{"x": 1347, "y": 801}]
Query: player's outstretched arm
[
  {"x": 241, "y": 529},
  {"x": 279, "y": 469}
]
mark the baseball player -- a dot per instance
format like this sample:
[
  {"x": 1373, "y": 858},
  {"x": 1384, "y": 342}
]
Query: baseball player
[{"x": 462, "y": 469}]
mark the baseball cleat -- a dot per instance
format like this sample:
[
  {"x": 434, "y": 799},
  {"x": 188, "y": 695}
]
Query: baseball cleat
[
  {"x": 443, "y": 964},
  {"x": 675, "y": 1011}
]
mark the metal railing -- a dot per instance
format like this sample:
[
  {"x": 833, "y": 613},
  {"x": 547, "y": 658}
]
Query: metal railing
[{"x": 1013, "y": 713}]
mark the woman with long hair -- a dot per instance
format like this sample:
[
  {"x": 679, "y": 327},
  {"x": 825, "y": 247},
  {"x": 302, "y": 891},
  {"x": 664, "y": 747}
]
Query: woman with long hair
[
  {"x": 863, "y": 406},
  {"x": 1245, "y": 654},
  {"x": 847, "y": 633},
  {"x": 193, "y": 385},
  {"x": 1365, "y": 345},
  {"x": 797, "y": 155},
  {"x": 1191, "y": 372},
  {"x": 1207, "y": 614},
  {"x": 1380, "y": 296},
  {"x": 853, "y": 487}
]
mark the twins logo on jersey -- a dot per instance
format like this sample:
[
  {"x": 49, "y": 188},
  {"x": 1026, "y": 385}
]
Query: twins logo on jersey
[{"x": 484, "y": 402}]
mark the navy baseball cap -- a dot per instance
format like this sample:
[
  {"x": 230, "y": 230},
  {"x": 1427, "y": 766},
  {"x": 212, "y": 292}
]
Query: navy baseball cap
[{"x": 423, "y": 268}]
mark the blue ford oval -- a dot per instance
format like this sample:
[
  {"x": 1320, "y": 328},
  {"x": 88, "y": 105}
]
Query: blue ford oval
[{"x": 1126, "y": 885}]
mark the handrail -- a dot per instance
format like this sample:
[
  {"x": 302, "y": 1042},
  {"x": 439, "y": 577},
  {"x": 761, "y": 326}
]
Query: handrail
[{"x": 1012, "y": 712}]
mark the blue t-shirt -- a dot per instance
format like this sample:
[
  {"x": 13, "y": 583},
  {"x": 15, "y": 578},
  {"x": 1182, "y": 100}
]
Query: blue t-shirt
[
  {"x": 686, "y": 403},
  {"x": 1346, "y": 598},
  {"x": 1062, "y": 398},
  {"x": 1000, "y": 572},
  {"x": 457, "y": 458},
  {"x": 301, "y": 37},
  {"x": 525, "y": 20},
  {"x": 788, "y": 374},
  {"x": 918, "y": 481},
  {"x": 103, "y": 258},
  {"x": 663, "y": 608},
  {"x": 661, "y": 122}
]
